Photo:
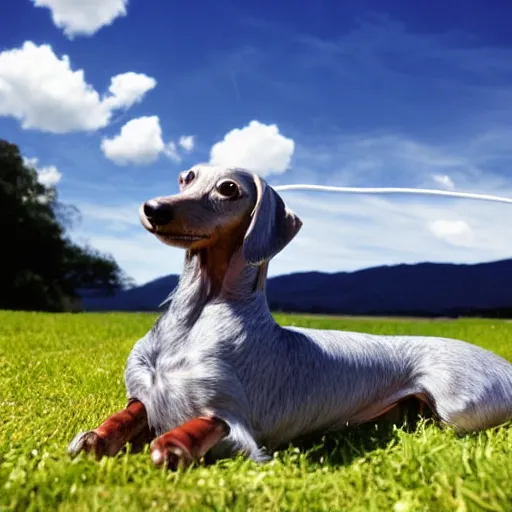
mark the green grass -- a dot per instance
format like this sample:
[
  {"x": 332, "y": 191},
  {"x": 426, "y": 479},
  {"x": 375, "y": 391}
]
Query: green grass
[{"x": 63, "y": 373}]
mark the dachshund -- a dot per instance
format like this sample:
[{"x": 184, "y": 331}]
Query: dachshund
[{"x": 217, "y": 375}]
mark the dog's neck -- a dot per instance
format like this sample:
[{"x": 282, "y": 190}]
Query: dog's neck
[{"x": 213, "y": 274}]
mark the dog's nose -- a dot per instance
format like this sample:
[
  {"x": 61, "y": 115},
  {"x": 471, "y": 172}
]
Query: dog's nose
[{"x": 157, "y": 213}]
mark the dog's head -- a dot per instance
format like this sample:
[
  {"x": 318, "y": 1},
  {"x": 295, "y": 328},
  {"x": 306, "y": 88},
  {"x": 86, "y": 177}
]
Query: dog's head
[{"x": 215, "y": 205}]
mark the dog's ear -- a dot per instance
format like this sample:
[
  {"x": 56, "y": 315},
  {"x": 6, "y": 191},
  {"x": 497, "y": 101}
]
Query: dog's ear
[{"x": 272, "y": 227}]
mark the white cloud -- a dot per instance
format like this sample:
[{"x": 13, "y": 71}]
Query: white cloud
[
  {"x": 48, "y": 176},
  {"x": 83, "y": 17},
  {"x": 172, "y": 151},
  {"x": 128, "y": 89},
  {"x": 455, "y": 232},
  {"x": 258, "y": 147},
  {"x": 44, "y": 93},
  {"x": 444, "y": 181},
  {"x": 139, "y": 142},
  {"x": 30, "y": 162},
  {"x": 187, "y": 142}
]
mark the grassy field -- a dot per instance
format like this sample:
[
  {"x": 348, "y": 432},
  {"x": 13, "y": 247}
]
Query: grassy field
[{"x": 63, "y": 373}]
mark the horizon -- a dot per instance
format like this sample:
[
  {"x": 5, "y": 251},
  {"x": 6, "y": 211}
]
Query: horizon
[
  {"x": 489, "y": 262},
  {"x": 354, "y": 94}
]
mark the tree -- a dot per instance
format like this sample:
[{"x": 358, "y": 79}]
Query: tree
[{"x": 41, "y": 268}]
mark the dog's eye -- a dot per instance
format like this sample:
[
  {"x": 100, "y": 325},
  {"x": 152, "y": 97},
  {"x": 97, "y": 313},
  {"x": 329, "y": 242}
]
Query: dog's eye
[
  {"x": 187, "y": 177},
  {"x": 228, "y": 189}
]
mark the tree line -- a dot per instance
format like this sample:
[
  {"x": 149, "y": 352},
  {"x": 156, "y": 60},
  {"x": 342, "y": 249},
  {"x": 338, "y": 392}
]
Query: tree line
[{"x": 40, "y": 267}]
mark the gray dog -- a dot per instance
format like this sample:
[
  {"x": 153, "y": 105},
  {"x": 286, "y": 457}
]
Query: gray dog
[{"x": 217, "y": 374}]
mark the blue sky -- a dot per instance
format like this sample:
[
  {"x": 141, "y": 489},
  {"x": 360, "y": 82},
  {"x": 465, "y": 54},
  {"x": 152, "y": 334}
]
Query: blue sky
[{"x": 111, "y": 100}]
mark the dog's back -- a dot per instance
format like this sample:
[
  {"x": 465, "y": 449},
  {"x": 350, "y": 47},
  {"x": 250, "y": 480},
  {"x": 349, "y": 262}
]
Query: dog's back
[{"x": 349, "y": 377}]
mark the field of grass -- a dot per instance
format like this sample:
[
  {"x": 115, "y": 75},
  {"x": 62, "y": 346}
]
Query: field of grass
[{"x": 60, "y": 374}]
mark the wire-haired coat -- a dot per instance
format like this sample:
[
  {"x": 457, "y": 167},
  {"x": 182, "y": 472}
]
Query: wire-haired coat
[{"x": 217, "y": 373}]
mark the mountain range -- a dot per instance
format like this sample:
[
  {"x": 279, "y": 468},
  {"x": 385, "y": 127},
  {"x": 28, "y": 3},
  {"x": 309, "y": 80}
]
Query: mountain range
[{"x": 422, "y": 289}]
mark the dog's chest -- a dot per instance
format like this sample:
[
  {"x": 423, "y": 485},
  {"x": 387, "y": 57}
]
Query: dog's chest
[{"x": 179, "y": 375}]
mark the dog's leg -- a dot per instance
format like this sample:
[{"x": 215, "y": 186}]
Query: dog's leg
[
  {"x": 188, "y": 443},
  {"x": 130, "y": 424},
  {"x": 417, "y": 404},
  {"x": 406, "y": 412}
]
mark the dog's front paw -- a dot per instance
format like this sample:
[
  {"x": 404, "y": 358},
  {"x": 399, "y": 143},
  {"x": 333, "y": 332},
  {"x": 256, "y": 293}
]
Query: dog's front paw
[
  {"x": 170, "y": 454},
  {"x": 89, "y": 442}
]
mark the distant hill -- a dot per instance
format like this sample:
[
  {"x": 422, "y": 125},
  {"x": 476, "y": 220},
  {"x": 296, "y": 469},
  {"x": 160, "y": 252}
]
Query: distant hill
[
  {"x": 423, "y": 289},
  {"x": 146, "y": 297}
]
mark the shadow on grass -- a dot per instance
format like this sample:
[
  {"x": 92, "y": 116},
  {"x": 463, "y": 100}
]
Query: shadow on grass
[{"x": 342, "y": 447}]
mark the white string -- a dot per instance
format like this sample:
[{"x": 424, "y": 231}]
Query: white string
[{"x": 391, "y": 190}]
